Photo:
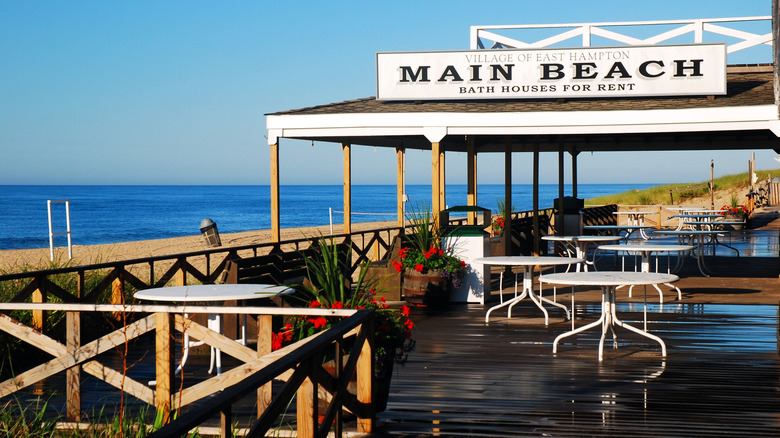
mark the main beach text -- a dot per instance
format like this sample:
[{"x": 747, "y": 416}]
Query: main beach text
[{"x": 591, "y": 72}]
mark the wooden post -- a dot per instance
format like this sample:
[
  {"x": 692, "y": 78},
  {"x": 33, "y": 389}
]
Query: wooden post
[
  {"x": 164, "y": 363},
  {"x": 559, "y": 222},
  {"x": 73, "y": 374},
  {"x": 274, "y": 181},
  {"x": 264, "y": 339},
  {"x": 37, "y": 315},
  {"x": 224, "y": 421},
  {"x": 118, "y": 291},
  {"x": 442, "y": 181},
  {"x": 574, "y": 154},
  {"x": 537, "y": 237},
  {"x": 180, "y": 278},
  {"x": 508, "y": 196},
  {"x": 471, "y": 177},
  {"x": 776, "y": 51},
  {"x": 365, "y": 380},
  {"x": 347, "y": 188},
  {"x": 435, "y": 181},
  {"x": 400, "y": 154},
  {"x": 306, "y": 403}
]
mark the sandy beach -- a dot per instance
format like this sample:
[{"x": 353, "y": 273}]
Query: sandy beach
[{"x": 31, "y": 259}]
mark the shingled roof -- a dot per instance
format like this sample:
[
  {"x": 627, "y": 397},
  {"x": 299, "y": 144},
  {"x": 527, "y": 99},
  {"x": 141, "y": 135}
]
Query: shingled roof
[
  {"x": 746, "y": 86},
  {"x": 745, "y": 118}
]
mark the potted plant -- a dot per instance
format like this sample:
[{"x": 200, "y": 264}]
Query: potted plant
[
  {"x": 429, "y": 270},
  {"x": 328, "y": 288},
  {"x": 500, "y": 220},
  {"x": 735, "y": 211}
]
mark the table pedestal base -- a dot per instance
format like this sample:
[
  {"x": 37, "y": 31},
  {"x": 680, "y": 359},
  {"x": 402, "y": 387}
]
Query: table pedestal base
[
  {"x": 608, "y": 320},
  {"x": 528, "y": 290}
]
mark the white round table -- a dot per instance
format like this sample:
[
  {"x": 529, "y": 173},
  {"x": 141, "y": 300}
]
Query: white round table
[
  {"x": 696, "y": 238},
  {"x": 580, "y": 245},
  {"x": 527, "y": 262},
  {"x": 645, "y": 251},
  {"x": 211, "y": 293},
  {"x": 608, "y": 281},
  {"x": 636, "y": 218},
  {"x": 628, "y": 229}
]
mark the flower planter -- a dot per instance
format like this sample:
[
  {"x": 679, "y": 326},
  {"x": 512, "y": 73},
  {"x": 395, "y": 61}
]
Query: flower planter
[
  {"x": 426, "y": 289},
  {"x": 381, "y": 388},
  {"x": 736, "y": 218}
]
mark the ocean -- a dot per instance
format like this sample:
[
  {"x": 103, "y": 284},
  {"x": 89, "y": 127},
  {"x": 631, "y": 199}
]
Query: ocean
[{"x": 110, "y": 214}]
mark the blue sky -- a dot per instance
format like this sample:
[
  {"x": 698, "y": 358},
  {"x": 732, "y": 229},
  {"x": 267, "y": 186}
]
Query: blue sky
[{"x": 175, "y": 92}]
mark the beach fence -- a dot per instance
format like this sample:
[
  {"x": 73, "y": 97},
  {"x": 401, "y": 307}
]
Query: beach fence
[{"x": 67, "y": 224}]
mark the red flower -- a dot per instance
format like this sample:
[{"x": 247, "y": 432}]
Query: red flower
[
  {"x": 320, "y": 322},
  {"x": 337, "y": 305},
  {"x": 314, "y": 303},
  {"x": 462, "y": 263},
  {"x": 277, "y": 341},
  {"x": 409, "y": 324},
  {"x": 407, "y": 334},
  {"x": 402, "y": 252},
  {"x": 405, "y": 310},
  {"x": 441, "y": 252},
  {"x": 419, "y": 267},
  {"x": 398, "y": 266}
]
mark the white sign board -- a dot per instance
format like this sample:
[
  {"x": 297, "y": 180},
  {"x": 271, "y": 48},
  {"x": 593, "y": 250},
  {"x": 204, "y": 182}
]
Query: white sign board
[{"x": 679, "y": 70}]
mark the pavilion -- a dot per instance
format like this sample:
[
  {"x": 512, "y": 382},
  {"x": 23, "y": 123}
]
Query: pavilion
[{"x": 738, "y": 111}]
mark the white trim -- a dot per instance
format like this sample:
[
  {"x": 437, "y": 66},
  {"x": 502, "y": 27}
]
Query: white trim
[{"x": 432, "y": 125}]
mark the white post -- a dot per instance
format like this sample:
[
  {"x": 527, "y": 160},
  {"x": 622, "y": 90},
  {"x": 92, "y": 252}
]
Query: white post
[
  {"x": 330, "y": 214},
  {"x": 51, "y": 231},
  {"x": 51, "y": 234}
]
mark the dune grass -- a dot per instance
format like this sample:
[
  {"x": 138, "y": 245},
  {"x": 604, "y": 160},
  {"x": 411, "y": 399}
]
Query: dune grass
[{"x": 660, "y": 195}]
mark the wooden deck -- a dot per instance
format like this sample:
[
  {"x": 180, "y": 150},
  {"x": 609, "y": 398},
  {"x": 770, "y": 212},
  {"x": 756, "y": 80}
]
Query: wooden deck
[{"x": 721, "y": 376}]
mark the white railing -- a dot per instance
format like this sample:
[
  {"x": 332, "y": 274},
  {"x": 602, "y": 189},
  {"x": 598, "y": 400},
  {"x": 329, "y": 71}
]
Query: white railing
[{"x": 653, "y": 32}]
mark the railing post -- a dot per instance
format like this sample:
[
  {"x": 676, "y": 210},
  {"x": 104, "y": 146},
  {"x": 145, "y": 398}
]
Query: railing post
[
  {"x": 307, "y": 404},
  {"x": 264, "y": 339},
  {"x": 365, "y": 379},
  {"x": 73, "y": 375},
  {"x": 118, "y": 290},
  {"x": 37, "y": 297},
  {"x": 224, "y": 421},
  {"x": 180, "y": 279},
  {"x": 164, "y": 363}
]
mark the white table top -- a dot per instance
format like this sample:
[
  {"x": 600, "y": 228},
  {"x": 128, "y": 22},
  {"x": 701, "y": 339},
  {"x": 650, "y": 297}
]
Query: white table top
[
  {"x": 608, "y": 278},
  {"x": 615, "y": 227},
  {"x": 211, "y": 292},
  {"x": 690, "y": 232},
  {"x": 713, "y": 222},
  {"x": 699, "y": 216},
  {"x": 583, "y": 238},
  {"x": 647, "y": 248},
  {"x": 634, "y": 212},
  {"x": 527, "y": 260}
]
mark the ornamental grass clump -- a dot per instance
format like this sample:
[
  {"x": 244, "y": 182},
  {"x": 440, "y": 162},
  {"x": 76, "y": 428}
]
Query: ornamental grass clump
[
  {"x": 424, "y": 253},
  {"x": 329, "y": 288},
  {"x": 735, "y": 208}
]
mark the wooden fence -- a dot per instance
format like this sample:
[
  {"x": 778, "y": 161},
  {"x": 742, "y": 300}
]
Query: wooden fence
[
  {"x": 114, "y": 281},
  {"x": 255, "y": 374}
]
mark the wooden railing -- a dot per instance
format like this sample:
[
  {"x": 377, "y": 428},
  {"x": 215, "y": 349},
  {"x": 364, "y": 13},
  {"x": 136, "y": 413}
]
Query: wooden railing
[
  {"x": 255, "y": 374},
  {"x": 112, "y": 282}
]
